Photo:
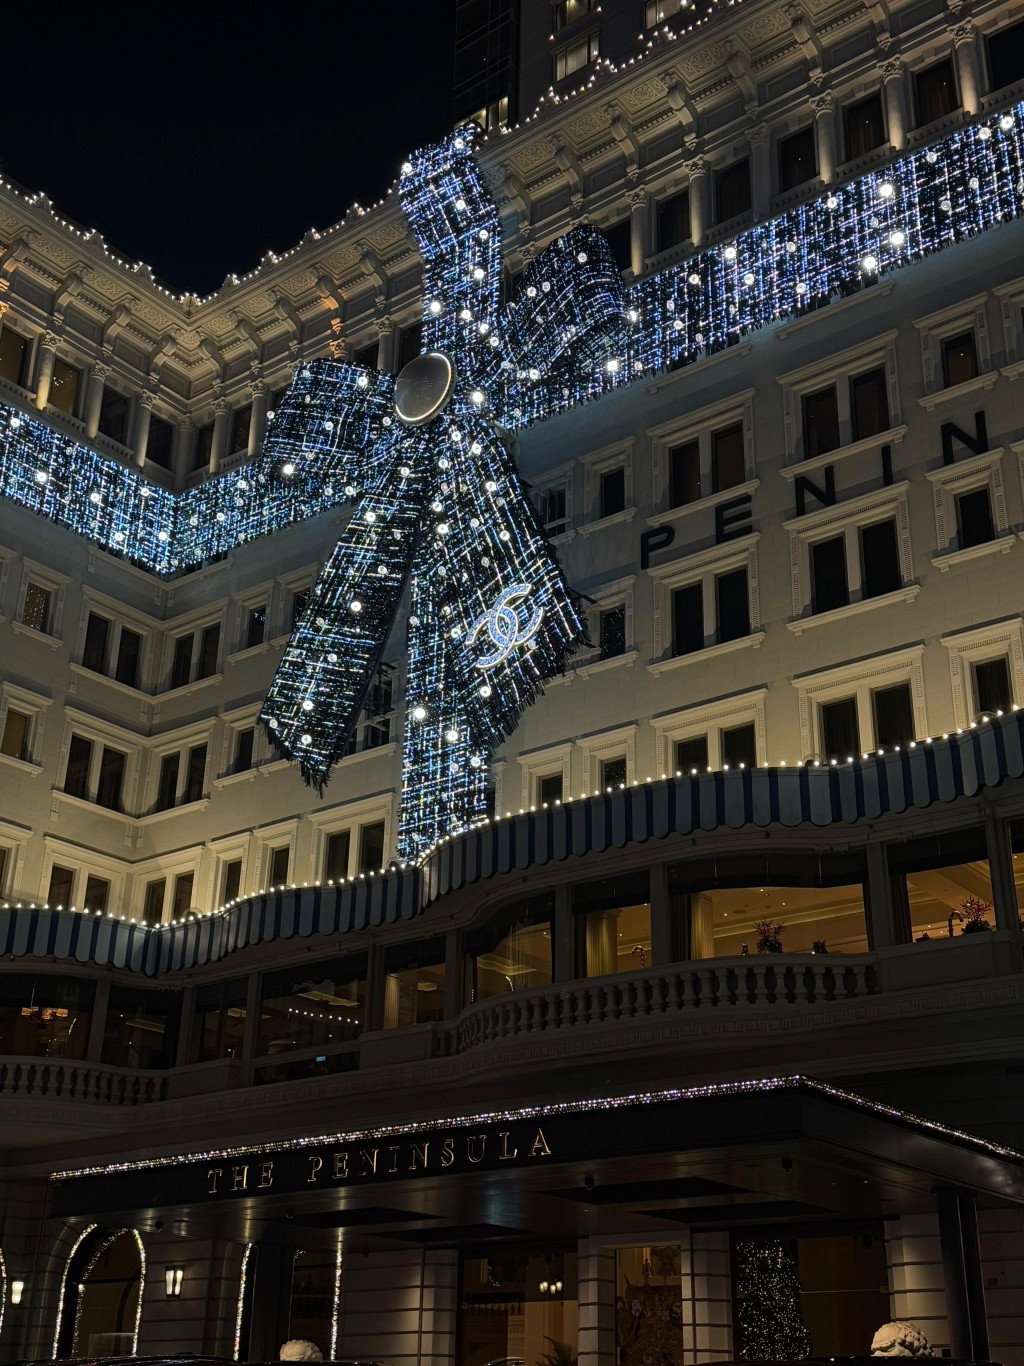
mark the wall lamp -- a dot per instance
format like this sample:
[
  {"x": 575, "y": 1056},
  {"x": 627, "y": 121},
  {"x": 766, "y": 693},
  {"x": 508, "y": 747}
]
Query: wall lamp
[
  {"x": 173, "y": 1276},
  {"x": 17, "y": 1290},
  {"x": 550, "y": 1287}
]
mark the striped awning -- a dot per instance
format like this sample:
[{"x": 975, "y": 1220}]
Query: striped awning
[{"x": 915, "y": 778}]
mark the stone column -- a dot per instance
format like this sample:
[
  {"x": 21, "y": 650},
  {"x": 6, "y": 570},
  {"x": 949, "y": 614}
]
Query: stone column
[
  {"x": 697, "y": 170},
  {"x": 895, "y": 87},
  {"x": 639, "y": 229},
  {"x": 47, "y": 357},
  {"x": 662, "y": 936},
  {"x": 184, "y": 447},
  {"x": 562, "y": 945},
  {"x": 386, "y": 345},
  {"x": 98, "y": 377},
  {"x": 221, "y": 421},
  {"x": 258, "y": 421},
  {"x": 596, "y": 1273},
  {"x": 760, "y": 139},
  {"x": 140, "y": 436},
  {"x": 825, "y": 135},
  {"x": 965, "y": 46},
  {"x": 881, "y": 923},
  {"x": 961, "y": 1272},
  {"x": 1000, "y": 863}
]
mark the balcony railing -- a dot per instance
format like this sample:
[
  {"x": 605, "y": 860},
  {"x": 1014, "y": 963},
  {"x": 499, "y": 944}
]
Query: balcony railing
[
  {"x": 66, "y": 1080},
  {"x": 774, "y": 982}
]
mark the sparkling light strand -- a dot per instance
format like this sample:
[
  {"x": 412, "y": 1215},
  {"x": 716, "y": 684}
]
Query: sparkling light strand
[{"x": 240, "y": 1309}]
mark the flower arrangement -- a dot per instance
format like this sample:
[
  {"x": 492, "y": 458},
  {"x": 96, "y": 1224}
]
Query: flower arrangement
[
  {"x": 769, "y": 936},
  {"x": 975, "y": 914}
]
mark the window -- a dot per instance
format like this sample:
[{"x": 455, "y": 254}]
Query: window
[
  {"x": 880, "y": 559},
  {"x": 728, "y": 461},
  {"x": 196, "y": 656},
  {"x": 739, "y": 747},
  {"x": 959, "y": 358},
  {"x": 336, "y": 855},
  {"x": 414, "y": 985},
  {"x": 732, "y": 191},
  {"x": 613, "y": 772},
  {"x": 619, "y": 237},
  {"x": 64, "y": 387},
  {"x": 241, "y": 421},
  {"x": 612, "y": 920},
  {"x": 894, "y": 716},
  {"x": 935, "y": 92},
  {"x": 167, "y": 787},
  {"x": 311, "y": 1006},
  {"x": 986, "y": 665},
  {"x": 974, "y": 524},
  {"x": 840, "y": 737},
  {"x": 300, "y": 601},
  {"x": 970, "y": 508},
  {"x": 351, "y": 841},
  {"x": 1006, "y": 55},
  {"x": 106, "y": 639},
  {"x": 203, "y": 448},
  {"x": 684, "y": 474},
  {"x": 115, "y": 416},
  {"x": 37, "y": 607},
  {"x": 852, "y": 396},
  {"x": 613, "y": 492},
  {"x": 733, "y": 604},
  {"x": 153, "y": 901},
  {"x": 181, "y": 665},
  {"x": 576, "y": 56},
  {"x": 279, "y": 861},
  {"x": 219, "y": 1027},
  {"x": 256, "y": 626},
  {"x": 232, "y": 880},
  {"x": 869, "y": 403},
  {"x": 613, "y": 632},
  {"x": 97, "y": 634},
  {"x": 861, "y": 707},
  {"x": 244, "y": 743},
  {"x": 16, "y": 735},
  {"x": 732, "y": 612},
  {"x": 708, "y": 600},
  {"x": 992, "y": 689},
  {"x": 76, "y": 775},
  {"x": 548, "y": 766},
  {"x": 129, "y": 653},
  {"x": 15, "y": 357},
  {"x": 549, "y": 789},
  {"x": 673, "y": 221},
  {"x": 371, "y": 847},
  {"x": 688, "y": 619},
  {"x": 552, "y": 509},
  {"x": 141, "y": 1027},
  {"x": 62, "y": 884},
  {"x": 864, "y": 125},
  {"x": 182, "y": 777},
  {"x": 195, "y": 774},
  {"x": 512, "y": 952},
  {"x": 607, "y": 485},
  {"x": 366, "y": 356},
  {"x": 798, "y": 161},
  {"x": 692, "y": 755},
  {"x": 712, "y": 453},
  {"x": 657, "y": 11},
  {"x": 409, "y": 344},
  {"x": 821, "y": 422},
  {"x": 875, "y": 553},
  {"x": 111, "y": 779},
  {"x": 181, "y": 901},
  {"x": 160, "y": 443},
  {"x": 829, "y": 588},
  {"x": 97, "y": 894}
]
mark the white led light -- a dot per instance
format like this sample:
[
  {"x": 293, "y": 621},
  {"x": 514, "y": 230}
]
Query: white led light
[
  {"x": 729, "y": 253},
  {"x": 355, "y": 606},
  {"x": 886, "y": 190},
  {"x": 897, "y": 238},
  {"x": 451, "y": 736},
  {"x": 869, "y": 265},
  {"x": 41, "y": 476},
  {"x": 307, "y": 705},
  {"x": 477, "y": 397},
  {"x": 419, "y": 713},
  {"x": 435, "y": 308}
]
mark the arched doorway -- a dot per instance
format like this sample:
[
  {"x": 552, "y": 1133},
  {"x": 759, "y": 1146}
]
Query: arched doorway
[{"x": 101, "y": 1295}]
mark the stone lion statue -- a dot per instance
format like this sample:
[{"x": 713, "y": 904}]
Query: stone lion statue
[
  {"x": 300, "y": 1350},
  {"x": 900, "y": 1339}
]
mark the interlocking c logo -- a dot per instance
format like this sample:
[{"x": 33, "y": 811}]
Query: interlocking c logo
[{"x": 504, "y": 626}]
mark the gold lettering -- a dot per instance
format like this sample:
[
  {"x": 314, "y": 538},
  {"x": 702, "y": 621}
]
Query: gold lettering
[
  {"x": 340, "y": 1169},
  {"x": 315, "y": 1163},
  {"x": 539, "y": 1146},
  {"x": 447, "y": 1152},
  {"x": 240, "y": 1178},
  {"x": 393, "y": 1150},
  {"x": 213, "y": 1176},
  {"x": 369, "y": 1160},
  {"x": 266, "y": 1174},
  {"x": 505, "y": 1155},
  {"x": 419, "y": 1156},
  {"x": 482, "y": 1140}
]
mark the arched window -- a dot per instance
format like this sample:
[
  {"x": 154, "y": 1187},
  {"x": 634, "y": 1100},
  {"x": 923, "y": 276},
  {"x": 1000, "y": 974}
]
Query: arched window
[{"x": 101, "y": 1294}]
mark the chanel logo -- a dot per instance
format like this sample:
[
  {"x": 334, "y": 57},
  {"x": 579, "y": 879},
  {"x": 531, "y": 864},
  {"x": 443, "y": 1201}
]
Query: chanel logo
[{"x": 507, "y": 625}]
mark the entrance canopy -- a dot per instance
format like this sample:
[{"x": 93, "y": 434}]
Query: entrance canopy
[{"x": 754, "y": 1155}]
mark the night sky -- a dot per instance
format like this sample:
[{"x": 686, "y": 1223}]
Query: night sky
[{"x": 196, "y": 137}]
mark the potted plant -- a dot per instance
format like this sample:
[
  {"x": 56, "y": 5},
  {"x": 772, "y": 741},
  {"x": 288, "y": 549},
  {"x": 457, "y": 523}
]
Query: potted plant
[
  {"x": 769, "y": 936},
  {"x": 975, "y": 914},
  {"x": 561, "y": 1354}
]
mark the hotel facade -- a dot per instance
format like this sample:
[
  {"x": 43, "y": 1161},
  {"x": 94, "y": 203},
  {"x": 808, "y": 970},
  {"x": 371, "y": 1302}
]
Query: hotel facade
[{"x": 430, "y": 1077}]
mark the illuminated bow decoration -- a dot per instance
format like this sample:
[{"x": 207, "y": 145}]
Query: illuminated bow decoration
[{"x": 439, "y": 505}]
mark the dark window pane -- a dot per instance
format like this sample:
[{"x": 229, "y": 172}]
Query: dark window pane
[
  {"x": 821, "y": 422},
  {"x": 76, "y": 779},
  {"x": 160, "y": 443},
  {"x": 366, "y": 356},
  {"x": 549, "y": 789},
  {"x": 739, "y": 746},
  {"x": 829, "y": 587},
  {"x": 935, "y": 89},
  {"x": 300, "y": 601},
  {"x": 129, "y": 650},
  {"x": 959, "y": 358},
  {"x": 195, "y": 774},
  {"x": 613, "y": 772},
  {"x": 15, "y": 351},
  {"x": 880, "y": 559},
  {"x": 15, "y": 737},
  {"x": 894, "y": 716},
  {"x": 371, "y": 847},
  {"x": 279, "y": 860},
  {"x": 232, "y": 879},
  {"x": 243, "y": 749},
  {"x": 688, "y": 619},
  {"x": 62, "y": 881},
  {"x": 203, "y": 448},
  {"x": 97, "y": 633},
  {"x": 869, "y": 404},
  {"x": 992, "y": 686},
  {"x": 797, "y": 159},
  {"x": 974, "y": 518},
  {"x": 684, "y": 474},
  {"x": 673, "y": 221},
  {"x": 692, "y": 754},
  {"x": 619, "y": 239},
  {"x": 240, "y": 423},
  {"x": 613, "y": 491},
  {"x": 410, "y": 344},
  {"x": 97, "y": 893},
  {"x": 336, "y": 855},
  {"x": 732, "y": 186},
  {"x": 727, "y": 462},
  {"x": 182, "y": 899},
  {"x": 257, "y": 625},
  {"x": 167, "y": 788},
  {"x": 613, "y": 632},
  {"x": 64, "y": 387},
  {"x": 181, "y": 667},
  {"x": 115, "y": 411},
  {"x": 865, "y": 126},
  {"x": 209, "y": 649},
  {"x": 551, "y": 508},
  {"x": 840, "y": 736},
  {"x": 111, "y": 780},
  {"x": 153, "y": 902},
  {"x": 36, "y": 612},
  {"x": 1006, "y": 55},
  {"x": 733, "y": 603}
]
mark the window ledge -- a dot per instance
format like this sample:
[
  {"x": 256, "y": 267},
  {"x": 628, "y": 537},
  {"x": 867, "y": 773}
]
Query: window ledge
[
  {"x": 624, "y": 661},
  {"x": 388, "y": 750},
  {"x": 1013, "y": 371},
  {"x": 950, "y": 395},
  {"x": 229, "y": 779},
  {"x": 853, "y": 609},
  {"x": 211, "y": 680},
  {"x": 84, "y": 805},
  {"x": 626, "y": 515},
  {"x": 713, "y": 500},
  {"x": 1002, "y": 545},
  {"x": 80, "y": 671},
  {"x": 964, "y": 469},
  {"x": 698, "y": 366},
  {"x": 21, "y": 765},
  {"x": 155, "y": 817},
  {"x": 251, "y": 652},
  {"x": 835, "y": 305},
  {"x": 53, "y": 642},
  {"x": 751, "y": 642},
  {"x": 892, "y": 436},
  {"x": 560, "y": 537}
]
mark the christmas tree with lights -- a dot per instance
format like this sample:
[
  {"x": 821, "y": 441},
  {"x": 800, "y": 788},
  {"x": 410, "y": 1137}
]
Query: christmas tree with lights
[{"x": 770, "y": 1323}]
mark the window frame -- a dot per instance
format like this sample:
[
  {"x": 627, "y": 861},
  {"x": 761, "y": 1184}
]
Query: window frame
[
  {"x": 711, "y": 719},
  {"x": 596, "y": 464},
  {"x": 194, "y": 628},
  {"x": 598, "y": 748},
  {"x": 701, "y": 426},
  {"x": 33, "y": 705},
  {"x": 617, "y": 593},
  {"x": 704, "y": 568},
  {"x": 589, "y": 42},
  {"x": 121, "y": 619},
  {"x": 542, "y": 763},
  {"x": 181, "y": 743},
  {"x": 100, "y": 735},
  {"x": 977, "y": 645},
  {"x": 562, "y": 478},
  {"x": 42, "y": 576},
  {"x": 839, "y": 370},
  {"x": 860, "y": 680},
  {"x": 352, "y": 816},
  {"x": 935, "y": 328},
  {"x": 948, "y": 483}
]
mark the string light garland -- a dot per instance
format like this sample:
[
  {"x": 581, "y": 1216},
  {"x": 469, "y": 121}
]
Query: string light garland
[
  {"x": 771, "y": 1327},
  {"x": 440, "y": 508},
  {"x": 243, "y": 1277},
  {"x": 764, "y": 1085}
]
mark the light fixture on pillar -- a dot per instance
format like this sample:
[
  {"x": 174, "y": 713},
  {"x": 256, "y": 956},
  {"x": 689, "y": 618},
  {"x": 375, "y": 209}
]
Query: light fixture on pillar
[
  {"x": 17, "y": 1290},
  {"x": 173, "y": 1276}
]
